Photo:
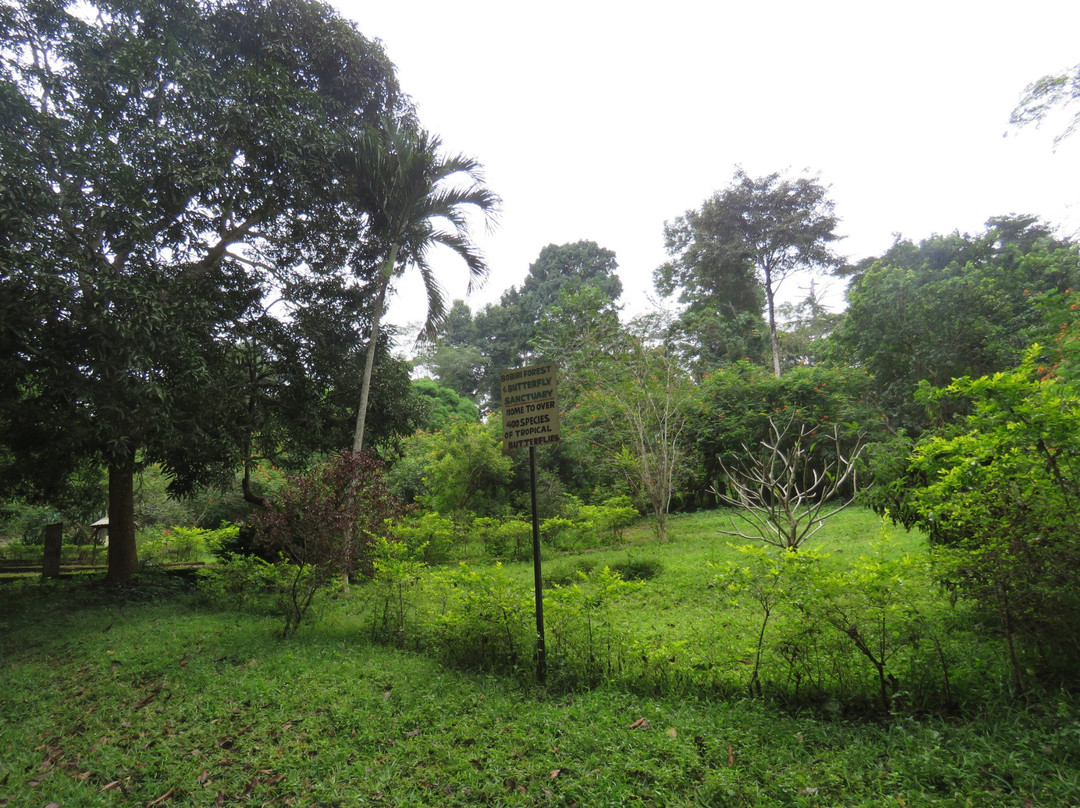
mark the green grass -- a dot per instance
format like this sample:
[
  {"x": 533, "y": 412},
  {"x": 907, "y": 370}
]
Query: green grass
[
  {"x": 120, "y": 705},
  {"x": 144, "y": 695},
  {"x": 685, "y": 620}
]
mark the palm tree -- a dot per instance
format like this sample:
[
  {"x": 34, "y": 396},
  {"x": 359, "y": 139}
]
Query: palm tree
[{"x": 415, "y": 198}]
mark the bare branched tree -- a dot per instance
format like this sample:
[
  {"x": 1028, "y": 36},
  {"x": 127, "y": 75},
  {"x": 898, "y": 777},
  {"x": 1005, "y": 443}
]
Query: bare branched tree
[{"x": 782, "y": 492}]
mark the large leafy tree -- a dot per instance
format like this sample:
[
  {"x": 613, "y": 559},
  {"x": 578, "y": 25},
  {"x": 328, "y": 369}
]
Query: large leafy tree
[
  {"x": 568, "y": 268},
  {"x": 416, "y": 198},
  {"x": 731, "y": 256},
  {"x": 453, "y": 357},
  {"x": 506, "y": 331},
  {"x": 160, "y": 163},
  {"x": 740, "y": 404},
  {"x": 950, "y": 306}
]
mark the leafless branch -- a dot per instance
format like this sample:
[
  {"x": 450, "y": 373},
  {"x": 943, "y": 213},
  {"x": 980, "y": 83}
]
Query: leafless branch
[{"x": 783, "y": 495}]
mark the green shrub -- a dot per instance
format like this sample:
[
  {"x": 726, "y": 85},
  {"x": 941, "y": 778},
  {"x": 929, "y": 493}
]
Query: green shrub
[
  {"x": 515, "y": 535},
  {"x": 428, "y": 534},
  {"x": 872, "y": 631},
  {"x": 458, "y": 467},
  {"x": 563, "y": 574},
  {"x": 638, "y": 569},
  {"x": 1000, "y": 489},
  {"x": 240, "y": 582},
  {"x": 485, "y": 529},
  {"x": 610, "y": 519},
  {"x": 560, "y": 533},
  {"x": 179, "y": 544},
  {"x": 585, "y": 641},
  {"x": 283, "y": 589},
  {"x": 397, "y": 571},
  {"x": 483, "y": 619}
]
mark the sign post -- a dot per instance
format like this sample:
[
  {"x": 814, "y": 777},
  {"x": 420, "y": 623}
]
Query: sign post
[{"x": 531, "y": 418}]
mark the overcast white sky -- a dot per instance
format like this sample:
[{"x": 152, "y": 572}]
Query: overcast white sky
[{"x": 602, "y": 120}]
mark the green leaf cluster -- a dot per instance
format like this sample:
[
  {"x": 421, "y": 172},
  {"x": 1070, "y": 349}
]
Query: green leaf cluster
[{"x": 1001, "y": 489}]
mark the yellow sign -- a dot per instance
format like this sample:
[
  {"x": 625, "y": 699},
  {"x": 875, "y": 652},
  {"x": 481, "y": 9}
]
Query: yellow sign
[{"x": 530, "y": 406}]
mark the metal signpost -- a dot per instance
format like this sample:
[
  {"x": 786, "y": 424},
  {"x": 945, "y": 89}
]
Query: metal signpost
[{"x": 531, "y": 418}]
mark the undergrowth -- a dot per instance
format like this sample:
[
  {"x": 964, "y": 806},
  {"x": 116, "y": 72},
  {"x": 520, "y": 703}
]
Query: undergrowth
[
  {"x": 141, "y": 703},
  {"x": 855, "y": 622}
]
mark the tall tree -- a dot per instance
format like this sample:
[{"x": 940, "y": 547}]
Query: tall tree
[
  {"x": 412, "y": 193},
  {"x": 637, "y": 406},
  {"x": 950, "y": 306},
  {"x": 568, "y": 268},
  {"x": 505, "y": 332},
  {"x": 453, "y": 357},
  {"x": 741, "y": 245},
  {"x": 152, "y": 156}
]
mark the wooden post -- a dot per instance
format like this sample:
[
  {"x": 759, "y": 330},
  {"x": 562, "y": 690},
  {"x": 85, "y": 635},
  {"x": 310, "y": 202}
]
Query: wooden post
[
  {"x": 538, "y": 578},
  {"x": 54, "y": 537}
]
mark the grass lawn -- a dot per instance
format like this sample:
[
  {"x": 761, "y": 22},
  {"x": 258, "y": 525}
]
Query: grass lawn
[{"x": 146, "y": 696}]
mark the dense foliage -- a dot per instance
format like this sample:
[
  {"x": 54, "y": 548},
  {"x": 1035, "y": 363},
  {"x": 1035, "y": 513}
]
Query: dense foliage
[
  {"x": 203, "y": 211},
  {"x": 323, "y": 525},
  {"x": 165, "y": 168},
  {"x": 737, "y": 402},
  {"x": 951, "y": 306},
  {"x": 731, "y": 256}
]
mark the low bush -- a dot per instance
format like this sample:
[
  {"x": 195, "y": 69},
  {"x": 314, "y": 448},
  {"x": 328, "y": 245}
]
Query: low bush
[
  {"x": 430, "y": 535},
  {"x": 609, "y": 520},
  {"x": 585, "y": 635},
  {"x": 478, "y": 618},
  {"x": 859, "y": 623},
  {"x": 562, "y": 534},
  {"x": 179, "y": 544},
  {"x": 505, "y": 538},
  {"x": 240, "y": 582},
  {"x": 639, "y": 569},
  {"x": 284, "y": 589}
]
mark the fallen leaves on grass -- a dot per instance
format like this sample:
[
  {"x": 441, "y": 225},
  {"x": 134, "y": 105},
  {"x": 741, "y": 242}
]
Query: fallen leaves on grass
[
  {"x": 104, "y": 740},
  {"x": 641, "y": 723},
  {"x": 144, "y": 701},
  {"x": 55, "y": 755},
  {"x": 160, "y": 799}
]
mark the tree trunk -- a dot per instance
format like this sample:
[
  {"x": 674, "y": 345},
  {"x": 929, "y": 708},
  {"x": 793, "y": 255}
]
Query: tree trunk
[
  {"x": 774, "y": 341},
  {"x": 373, "y": 341},
  {"x": 249, "y": 495},
  {"x": 54, "y": 540},
  {"x": 123, "y": 558}
]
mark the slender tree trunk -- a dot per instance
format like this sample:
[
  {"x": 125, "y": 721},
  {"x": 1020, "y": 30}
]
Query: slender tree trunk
[
  {"x": 249, "y": 494},
  {"x": 774, "y": 341},
  {"x": 123, "y": 558},
  {"x": 369, "y": 359}
]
